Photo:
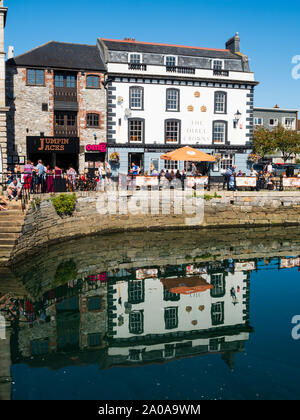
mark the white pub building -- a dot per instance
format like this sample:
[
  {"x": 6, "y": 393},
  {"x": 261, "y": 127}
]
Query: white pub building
[{"x": 161, "y": 97}]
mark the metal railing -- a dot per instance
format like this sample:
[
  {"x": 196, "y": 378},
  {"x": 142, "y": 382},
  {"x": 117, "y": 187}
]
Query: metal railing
[
  {"x": 221, "y": 73},
  {"x": 180, "y": 69},
  {"x": 137, "y": 66}
]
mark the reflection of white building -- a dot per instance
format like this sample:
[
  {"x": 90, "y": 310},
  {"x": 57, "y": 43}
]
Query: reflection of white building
[{"x": 149, "y": 322}]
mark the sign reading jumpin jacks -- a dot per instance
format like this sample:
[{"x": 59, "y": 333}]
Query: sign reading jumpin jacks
[{"x": 52, "y": 144}]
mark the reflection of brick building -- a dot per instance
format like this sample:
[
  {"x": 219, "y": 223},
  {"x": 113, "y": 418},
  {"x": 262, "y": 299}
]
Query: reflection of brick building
[
  {"x": 56, "y": 91},
  {"x": 5, "y": 366},
  {"x": 75, "y": 320}
]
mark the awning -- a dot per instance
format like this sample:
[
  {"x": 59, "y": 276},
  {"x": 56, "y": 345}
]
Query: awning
[{"x": 188, "y": 154}]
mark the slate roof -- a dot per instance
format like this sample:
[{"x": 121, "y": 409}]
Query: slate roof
[
  {"x": 61, "y": 55},
  {"x": 155, "y": 48}
]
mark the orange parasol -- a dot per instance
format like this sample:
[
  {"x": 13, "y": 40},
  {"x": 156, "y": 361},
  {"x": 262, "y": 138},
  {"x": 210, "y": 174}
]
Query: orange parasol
[
  {"x": 186, "y": 285},
  {"x": 188, "y": 154}
]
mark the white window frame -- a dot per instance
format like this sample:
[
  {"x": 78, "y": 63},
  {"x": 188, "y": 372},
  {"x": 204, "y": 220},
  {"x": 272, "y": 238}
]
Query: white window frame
[
  {"x": 173, "y": 56},
  {"x": 135, "y": 54},
  {"x": 224, "y": 125},
  {"x": 218, "y": 103},
  {"x": 176, "y": 109},
  {"x": 292, "y": 119},
  {"x": 171, "y": 314},
  {"x": 218, "y": 313},
  {"x": 275, "y": 122},
  {"x": 227, "y": 161},
  {"x": 256, "y": 121},
  {"x": 171, "y": 165},
  {"x": 141, "y": 91},
  {"x": 217, "y": 60}
]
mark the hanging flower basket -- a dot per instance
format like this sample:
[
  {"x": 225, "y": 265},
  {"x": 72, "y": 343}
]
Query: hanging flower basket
[
  {"x": 114, "y": 157},
  {"x": 253, "y": 158},
  {"x": 218, "y": 157}
]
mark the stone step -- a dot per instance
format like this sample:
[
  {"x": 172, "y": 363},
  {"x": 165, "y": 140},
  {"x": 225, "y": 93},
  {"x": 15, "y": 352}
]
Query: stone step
[
  {"x": 9, "y": 218},
  {"x": 10, "y": 229},
  {"x": 8, "y": 235},
  {"x": 7, "y": 241},
  {"x": 5, "y": 251},
  {"x": 4, "y": 213},
  {"x": 18, "y": 222}
]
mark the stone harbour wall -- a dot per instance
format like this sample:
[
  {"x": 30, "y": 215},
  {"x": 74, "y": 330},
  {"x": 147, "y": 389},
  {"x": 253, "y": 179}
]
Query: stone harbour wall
[{"x": 42, "y": 225}]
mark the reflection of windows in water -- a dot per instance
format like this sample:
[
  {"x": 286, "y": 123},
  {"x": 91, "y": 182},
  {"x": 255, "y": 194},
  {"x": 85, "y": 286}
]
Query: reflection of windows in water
[
  {"x": 136, "y": 322},
  {"x": 218, "y": 281},
  {"x": 217, "y": 313},
  {"x": 94, "y": 303},
  {"x": 169, "y": 350},
  {"x": 39, "y": 347},
  {"x": 94, "y": 340},
  {"x": 168, "y": 296},
  {"x": 171, "y": 318},
  {"x": 69, "y": 304},
  {"x": 136, "y": 291},
  {"x": 135, "y": 355},
  {"x": 216, "y": 343}
]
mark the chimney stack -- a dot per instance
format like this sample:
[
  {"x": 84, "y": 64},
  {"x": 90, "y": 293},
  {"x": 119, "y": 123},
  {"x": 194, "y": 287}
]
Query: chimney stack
[
  {"x": 11, "y": 51},
  {"x": 233, "y": 44}
]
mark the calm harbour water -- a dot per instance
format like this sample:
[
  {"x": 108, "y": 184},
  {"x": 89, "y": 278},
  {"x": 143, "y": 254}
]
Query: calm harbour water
[{"x": 162, "y": 316}]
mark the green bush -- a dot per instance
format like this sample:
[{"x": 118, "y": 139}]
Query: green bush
[
  {"x": 65, "y": 272},
  {"x": 64, "y": 204}
]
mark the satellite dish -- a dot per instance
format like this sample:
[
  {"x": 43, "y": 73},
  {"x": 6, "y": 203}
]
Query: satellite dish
[{"x": 127, "y": 112}]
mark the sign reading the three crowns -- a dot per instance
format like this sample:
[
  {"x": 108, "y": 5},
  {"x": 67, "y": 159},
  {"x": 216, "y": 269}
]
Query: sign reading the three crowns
[{"x": 52, "y": 144}]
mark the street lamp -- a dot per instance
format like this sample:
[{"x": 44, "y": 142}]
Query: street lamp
[{"x": 237, "y": 117}]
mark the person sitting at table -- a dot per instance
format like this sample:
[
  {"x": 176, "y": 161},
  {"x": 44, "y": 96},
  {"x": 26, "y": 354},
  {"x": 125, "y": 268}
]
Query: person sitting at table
[
  {"x": 168, "y": 175},
  {"x": 178, "y": 175},
  {"x": 269, "y": 182},
  {"x": 253, "y": 172},
  {"x": 240, "y": 173}
]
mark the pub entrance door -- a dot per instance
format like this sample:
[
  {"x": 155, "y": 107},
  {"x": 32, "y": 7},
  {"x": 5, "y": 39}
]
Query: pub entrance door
[{"x": 138, "y": 159}]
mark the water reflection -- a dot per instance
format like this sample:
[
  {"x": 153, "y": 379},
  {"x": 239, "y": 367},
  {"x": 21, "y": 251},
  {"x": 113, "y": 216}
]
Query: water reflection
[{"x": 71, "y": 313}]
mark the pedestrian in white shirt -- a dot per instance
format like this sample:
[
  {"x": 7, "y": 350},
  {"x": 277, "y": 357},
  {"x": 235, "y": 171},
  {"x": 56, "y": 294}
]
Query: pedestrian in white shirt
[{"x": 270, "y": 168}]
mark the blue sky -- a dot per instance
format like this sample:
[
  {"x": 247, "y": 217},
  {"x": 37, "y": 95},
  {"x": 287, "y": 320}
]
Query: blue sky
[{"x": 269, "y": 31}]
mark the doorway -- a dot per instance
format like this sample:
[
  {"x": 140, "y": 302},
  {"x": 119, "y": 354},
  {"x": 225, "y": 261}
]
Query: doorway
[{"x": 138, "y": 159}]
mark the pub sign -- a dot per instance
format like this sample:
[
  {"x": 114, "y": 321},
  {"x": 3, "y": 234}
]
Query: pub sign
[{"x": 52, "y": 144}]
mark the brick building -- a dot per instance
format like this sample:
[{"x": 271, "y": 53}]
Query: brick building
[
  {"x": 3, "y": 108},
  {"x": 57, "y": 103}
]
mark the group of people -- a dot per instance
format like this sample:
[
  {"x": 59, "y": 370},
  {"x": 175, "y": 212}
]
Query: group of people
[
  {"x": 264, "y": 178},
  {"x": 43, "y": 179}
]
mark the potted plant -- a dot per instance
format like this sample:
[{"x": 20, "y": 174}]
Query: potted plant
[
  {"x": 253, "y": 158},
  {"x": 218, "y": 157}
]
